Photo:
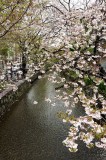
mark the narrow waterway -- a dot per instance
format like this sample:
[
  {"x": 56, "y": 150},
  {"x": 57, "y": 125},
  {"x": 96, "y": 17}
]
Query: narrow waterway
[{"x": 34, "y": 132}]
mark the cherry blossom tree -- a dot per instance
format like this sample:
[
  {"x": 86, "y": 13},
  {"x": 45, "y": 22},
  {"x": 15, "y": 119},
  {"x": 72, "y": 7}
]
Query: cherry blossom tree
[
  {"x": 85, "y": 46},
  {"x": 11, "y": 13},
  {"x": 76, "y": 41}
]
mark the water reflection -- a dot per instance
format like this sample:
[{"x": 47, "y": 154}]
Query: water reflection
[{"x": 34, "y": 132}]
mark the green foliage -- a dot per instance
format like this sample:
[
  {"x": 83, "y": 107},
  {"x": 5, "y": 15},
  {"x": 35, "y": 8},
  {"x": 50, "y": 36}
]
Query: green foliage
[
  {"x": 2, "y": 86},
  {"x": 54, "y": 60},
  {"x": 99, "y": 135},
  {"x": 50, "y": 63},
  {"x": 90, "y": 145},
  {"x": 70, "y": 90},
  {"x": 88, "y": 81},
  {"x": 4, "y": 52},
  {"x": 90, "y": 49},
  {"x": 61, "y": 52},
  {"x": 11, "y": 53},
  {"x": 82, "y": 48},
  {"x": 72, "y": 74},
  {"x": 65, "y": 116},
  {"x": 47, "y": 66},
  {"x": 62, "y": 115},
  {"x": 102, "y": 88},
  {"x": 72, "y": 117}
]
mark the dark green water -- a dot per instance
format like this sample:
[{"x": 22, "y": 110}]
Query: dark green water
[{"x": 34, "y": 132}]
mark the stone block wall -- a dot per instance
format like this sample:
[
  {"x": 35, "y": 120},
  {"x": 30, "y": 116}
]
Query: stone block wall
[{"x": 9, "y": 96}]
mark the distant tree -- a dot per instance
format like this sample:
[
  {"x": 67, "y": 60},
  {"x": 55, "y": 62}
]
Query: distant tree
[{"x": 11, "y": 13}]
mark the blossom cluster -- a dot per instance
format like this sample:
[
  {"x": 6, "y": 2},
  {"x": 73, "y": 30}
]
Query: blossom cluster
[{"x": 80, "y": 72}]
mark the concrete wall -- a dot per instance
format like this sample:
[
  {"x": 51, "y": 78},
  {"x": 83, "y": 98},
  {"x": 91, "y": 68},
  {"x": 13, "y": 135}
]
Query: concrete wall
[{"x": 10, "y": 96}]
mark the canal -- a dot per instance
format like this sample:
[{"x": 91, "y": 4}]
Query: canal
[{"x": 35, "y": 132}]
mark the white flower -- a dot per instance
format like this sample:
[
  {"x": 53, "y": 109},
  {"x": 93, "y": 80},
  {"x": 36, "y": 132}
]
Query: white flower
[
  {"x": 87, "y": 138},
  {"x": 83, "y": 62},
  {"x": 70, "y": 96},
  {"x": 103, "y": 111},
  {"x": 70, "y": 143},
  {"x": 103, "y": 140},
  {"x": 65, "y": 98},
  {"x": 64, "y": 93},
  {"x": 39, "y": 77},
  {"x": 80, "y": 76},
  {"x": 99, "y": 129},
  {"x": 99, "y": 145},
  {"x": 75, "y": 84},
  {"x": 76, "y": 100},
  {"x": 96, "y": 115},
  {"x": 94, "y": 62},
  {"x": 66, "y": 86},
  {"x": 15, "y": 88},
  {"x": 48, "y": 100},
  {"x": 42, "y": 71},
  {"x": 28, "y": 79},
  {"x": 66, "y": 103},
  {"x": 54, "y": 81},
  {"x": 69, "y": 111},
  {"x": 63, "y": 80},
  {"x": 64, "y": 121},
  {"x": 57, "y": 91},
  {"x": 53, "y": 104},
  {"x": 35, "y": 102},
  {"x": 82, "y": 83}
]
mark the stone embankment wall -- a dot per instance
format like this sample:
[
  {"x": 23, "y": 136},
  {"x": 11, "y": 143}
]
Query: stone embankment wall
[{"x": 9, "y": 96}]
